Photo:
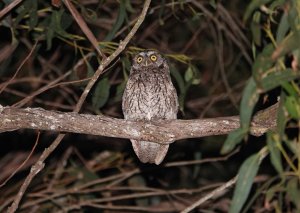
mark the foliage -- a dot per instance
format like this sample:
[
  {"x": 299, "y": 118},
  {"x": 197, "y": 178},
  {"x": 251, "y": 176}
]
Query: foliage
[
  {"x": 275, "y": 29},
  {"x": 214, "y": 72}
]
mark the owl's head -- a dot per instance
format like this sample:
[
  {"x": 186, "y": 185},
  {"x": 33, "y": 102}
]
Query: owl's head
[{"x": 149, "y": 59}]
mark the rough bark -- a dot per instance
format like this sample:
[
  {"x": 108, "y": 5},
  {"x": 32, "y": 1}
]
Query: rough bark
[{"x": 160, "y": 131}]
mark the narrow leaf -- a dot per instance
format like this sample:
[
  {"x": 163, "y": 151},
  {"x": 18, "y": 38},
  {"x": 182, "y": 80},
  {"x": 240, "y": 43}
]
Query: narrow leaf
[
  {"x": 120, "y": 20},
  {"x": 33, "y": 15},
  {"x": 275, "y": 155},
  {"x": 101, "y": 93},
  {"x": 80, "y": 21},
  {"x": 262, "y": 63},
  {"x": 256, "y": 28},
  {"x": 188, "y": 75},
  {"x": 283, "y": 28},
  {"x": 250, "y": 97},
  {"x": 276, "y": 79},
  {"x": 281, "y": 116},
  {"x": 119, "y": 91},
  {"x": 233, "y": 139},
  {"x": 290, "y": 43},
  {"x": 253, "y": 6},
  {"x": 181, "y": 85},
  {"x": 292, "y": 104},
  {"x": 294, "y": 192},
  {"x": 246, "y": 175}
]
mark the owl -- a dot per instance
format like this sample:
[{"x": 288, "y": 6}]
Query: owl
[{"x": 149, "y": 95}]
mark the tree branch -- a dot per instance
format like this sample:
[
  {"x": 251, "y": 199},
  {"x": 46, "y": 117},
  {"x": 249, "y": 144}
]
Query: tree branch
[{"x": 158, "y": 131}]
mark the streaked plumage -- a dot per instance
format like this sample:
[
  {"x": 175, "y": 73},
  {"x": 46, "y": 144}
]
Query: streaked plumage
[{"x": 150, "y": 95}]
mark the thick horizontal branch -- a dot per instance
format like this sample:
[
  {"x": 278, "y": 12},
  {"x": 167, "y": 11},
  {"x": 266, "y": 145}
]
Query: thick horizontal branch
[{"x": 158, "y": 131}]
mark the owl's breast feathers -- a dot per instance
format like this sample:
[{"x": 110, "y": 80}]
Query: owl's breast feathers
[{"x": 150, "y": 96}]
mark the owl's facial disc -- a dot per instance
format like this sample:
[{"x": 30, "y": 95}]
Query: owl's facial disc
[
  {"x": 148, "y": 59},
  {"x": 143, "y": 61}
]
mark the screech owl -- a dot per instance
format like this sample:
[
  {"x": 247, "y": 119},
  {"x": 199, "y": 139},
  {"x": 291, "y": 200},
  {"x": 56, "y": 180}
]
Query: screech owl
[{"x": 150, "y": 96}]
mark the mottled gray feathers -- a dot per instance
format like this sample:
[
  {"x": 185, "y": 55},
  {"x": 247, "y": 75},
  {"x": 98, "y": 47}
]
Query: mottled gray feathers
[{"x": 149, "y": 95}]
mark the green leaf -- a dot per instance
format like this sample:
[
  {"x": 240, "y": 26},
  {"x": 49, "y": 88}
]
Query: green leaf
[
  {"x": 233, "y": 139},
  {"x": 276, "y": 79},
  {"x": 90, "y": 70},
  {"x": 22, "y": 10},
  {"x": 277, "y": 3},
  {"x": 88, "y": 14},
  {"x": 289, "y": 88},
  {"x": 213, "y": 3},
  {"x": 129, "y": 7},
  {"x": 283, "y": 28},
  {"x": 57, "y": 22},
  {"x": 292, "y": 104},
  {"x": 188, "y": 75},
  {"x": 192, "y": 75},
  {"x": 253, "y": 6},
  {"x": 101, "y": 93},
  {"x": 181, "y": 85},
  {"x": 49, "y": 34},
  {"x": 293, "y": 191},
  {"x": 290, "y": 43},
  {"x": 256, "y": 28},
  {"x": 293, "y": 18},
  {"x": 119, "y": 91},
  {"x": 281, "y": 116},
  {"x": 65, "y": 22},
  {"x": 293, "y": 146},
  {"x": 33, "y": 15},
  {"x": 272, "y": 192},
  {"x": 126, "y": 66},
  {"x": 272, "y": 140},
  {"x": 250, "y": 97},
  {"x": 263, "y": 63},
  {"x": 246, "y": 175},
  {"x": 120, "y": 20}
]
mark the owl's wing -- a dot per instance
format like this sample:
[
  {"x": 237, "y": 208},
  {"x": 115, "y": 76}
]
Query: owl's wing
[{"x": 127, "y": 100}]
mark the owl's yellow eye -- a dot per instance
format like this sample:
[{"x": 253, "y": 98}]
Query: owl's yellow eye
[
  {"x": 139, "y": 59},
  {"x": 153, "y": 57}
]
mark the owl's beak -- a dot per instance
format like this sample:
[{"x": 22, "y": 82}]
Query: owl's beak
[{"x": 147, "y": 62}]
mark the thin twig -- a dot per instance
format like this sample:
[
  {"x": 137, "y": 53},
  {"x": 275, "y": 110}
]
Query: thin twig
[
  {"x": 86, "y": 30},
  {"x": 41, "y": 90},
  {"x": 9, "y": 7},
  {"x": 214, "y": 194},
  {"x": 19, "y": 68},
  {"x": 230, "y": 34},
  {"x": 51, "y": 84},
  {"x": 24, "y": 162},
  {"x": 220, "y": 52}
]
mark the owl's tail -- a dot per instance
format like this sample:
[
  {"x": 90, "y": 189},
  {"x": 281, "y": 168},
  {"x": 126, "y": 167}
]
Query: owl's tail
[{"x": 149, "y": 152}]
